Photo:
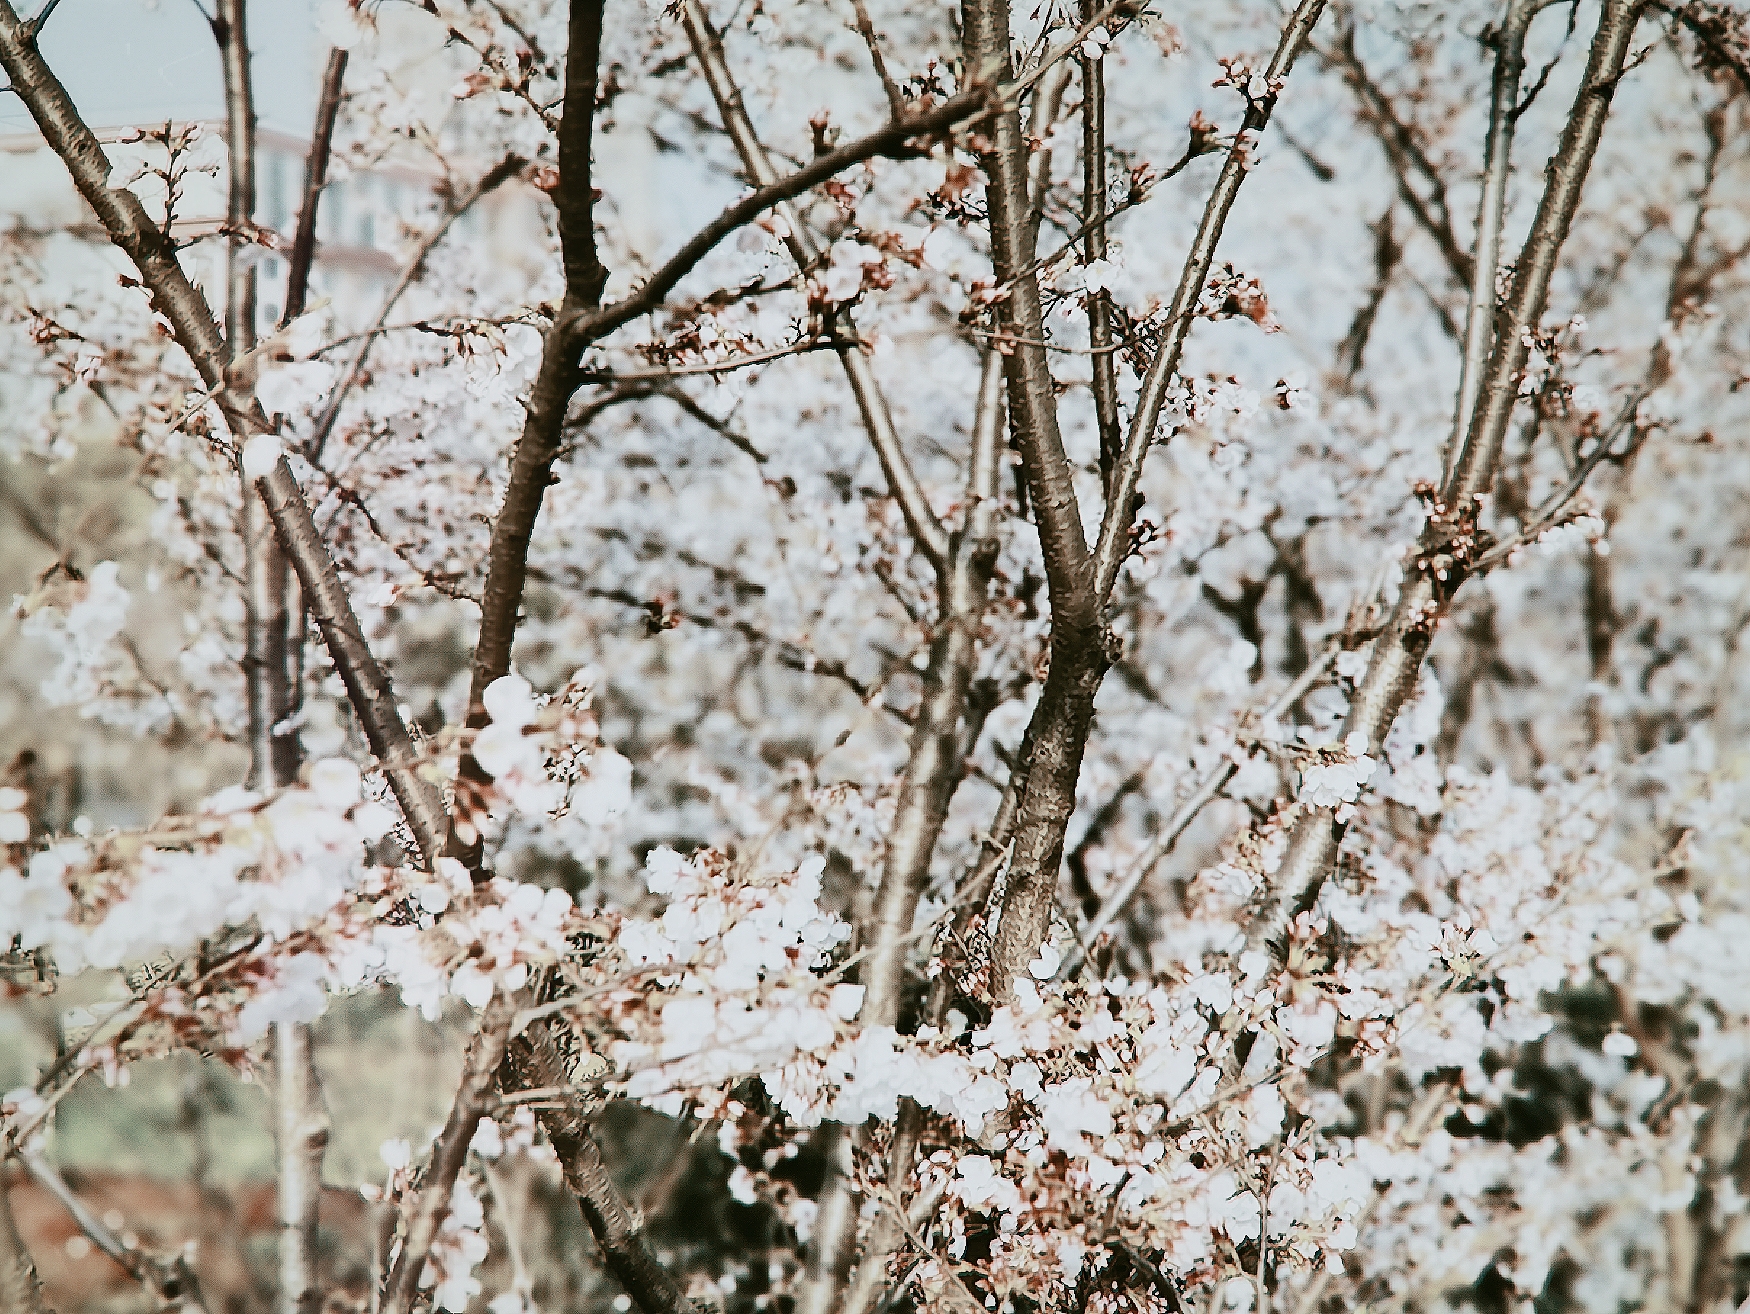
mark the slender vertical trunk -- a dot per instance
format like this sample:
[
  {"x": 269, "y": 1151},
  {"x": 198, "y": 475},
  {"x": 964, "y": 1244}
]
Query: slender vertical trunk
[
  {"x": 1094, "y": 248},
  {"x": 272, "y": 763},
  {"x": 301, "y": 1127},
  {"x": 301, "y": 1132}
]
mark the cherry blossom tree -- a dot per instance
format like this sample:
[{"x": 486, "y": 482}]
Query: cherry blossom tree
[{"x": 1102, "y": 637}]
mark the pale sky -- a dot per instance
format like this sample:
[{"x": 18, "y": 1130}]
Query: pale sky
[{"x": 139, "y": 61}]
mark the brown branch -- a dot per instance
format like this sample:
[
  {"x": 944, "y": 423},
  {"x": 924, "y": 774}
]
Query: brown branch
[
  {"x": 1094, "y": 248},
  {"x": 558, "y": 378},
  {"x": 474, "y": 1098},
  {"x": 903, "y": 138},
  {"x": 1120, "y": 512},
  {"x": 489, "y": 181},
  {"x": 1436, "y": 574},
  {"x": 1405, "y": 154},
  {"x": 168, "y": 1279},
  {"x": 303, "y": 253},
  {"x": 935, "y": 765},
  {"x": 1387, "y": 252},
  {"x": 866, "y": 29},
  {"x": 533, "y": 1062},
  {"x": 270, "y": 695},
  {"x": 1032, "y": 396},
  {"x": 581, "y": 323},
  {"x": 727, "y": 366}
]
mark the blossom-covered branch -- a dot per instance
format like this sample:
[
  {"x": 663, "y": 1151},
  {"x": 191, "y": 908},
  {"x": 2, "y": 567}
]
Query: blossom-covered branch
[
  {"x": 182, "y": 304},
  {"x": 1449, "y": 545}
]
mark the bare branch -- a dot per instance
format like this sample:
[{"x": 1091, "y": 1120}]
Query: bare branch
[
  {"x": 866, "y": 29},
  {"x": 558, "y": 378},
  {"x": 169, "y": 1279},
  {"x": 1479, "y": 323},
  {"x": 489, "y": 181},
  {"x": 301, "y": 1130},
  {"x": 1032, "y": 395},
  {"x": 303, "y": 252},
  {"x": 935, "y": 765},
  {"x": 474, "y": 1097},
  {"x": 534, "y": 1062},
  {"x": 1120, "y": 513},
  {"x": 900, "y": 139},
  {"x": 1093, "y": 249},
  {"x": 1081, "y": 649},
  {"x": 805, "y": 250}
]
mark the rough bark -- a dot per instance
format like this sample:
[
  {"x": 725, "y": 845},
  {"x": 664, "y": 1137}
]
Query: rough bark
[
  {"x": 1094, "y": 248},
  {"x": 935, "y": 765},
  {"x": 303, "y": 252},
  {"x": 533, "y": 1061},
  {"x": 582, "y": 321},
  {"x": 431, "y": 1203}
]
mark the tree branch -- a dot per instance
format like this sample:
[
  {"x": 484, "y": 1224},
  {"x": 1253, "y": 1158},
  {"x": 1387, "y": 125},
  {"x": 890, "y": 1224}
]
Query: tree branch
[
  {"x": 489, "y": 181},
  {"x": 533, "y": 1062},
  {"x": 169, "y": 1280},
  {"x": 902, "y": 481},
  {"x": 191, "y": 320},
  {"x": 1446, "y": 553},
  {"x": 1094, "y": 248},
  {"x": 426, "y": 1212},
  {"x": 935, "y": 765},
  {"x": 558, "y": 378},
  {"x": 1032, "y": 395},
  {"x": 1479, "y": 322},
  {"x": 301, "y": 1130},
  {"x": 1057, "y": 734},
  {"x": 303, "y": 252},
  {"x": 1120, "y": 511}
]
